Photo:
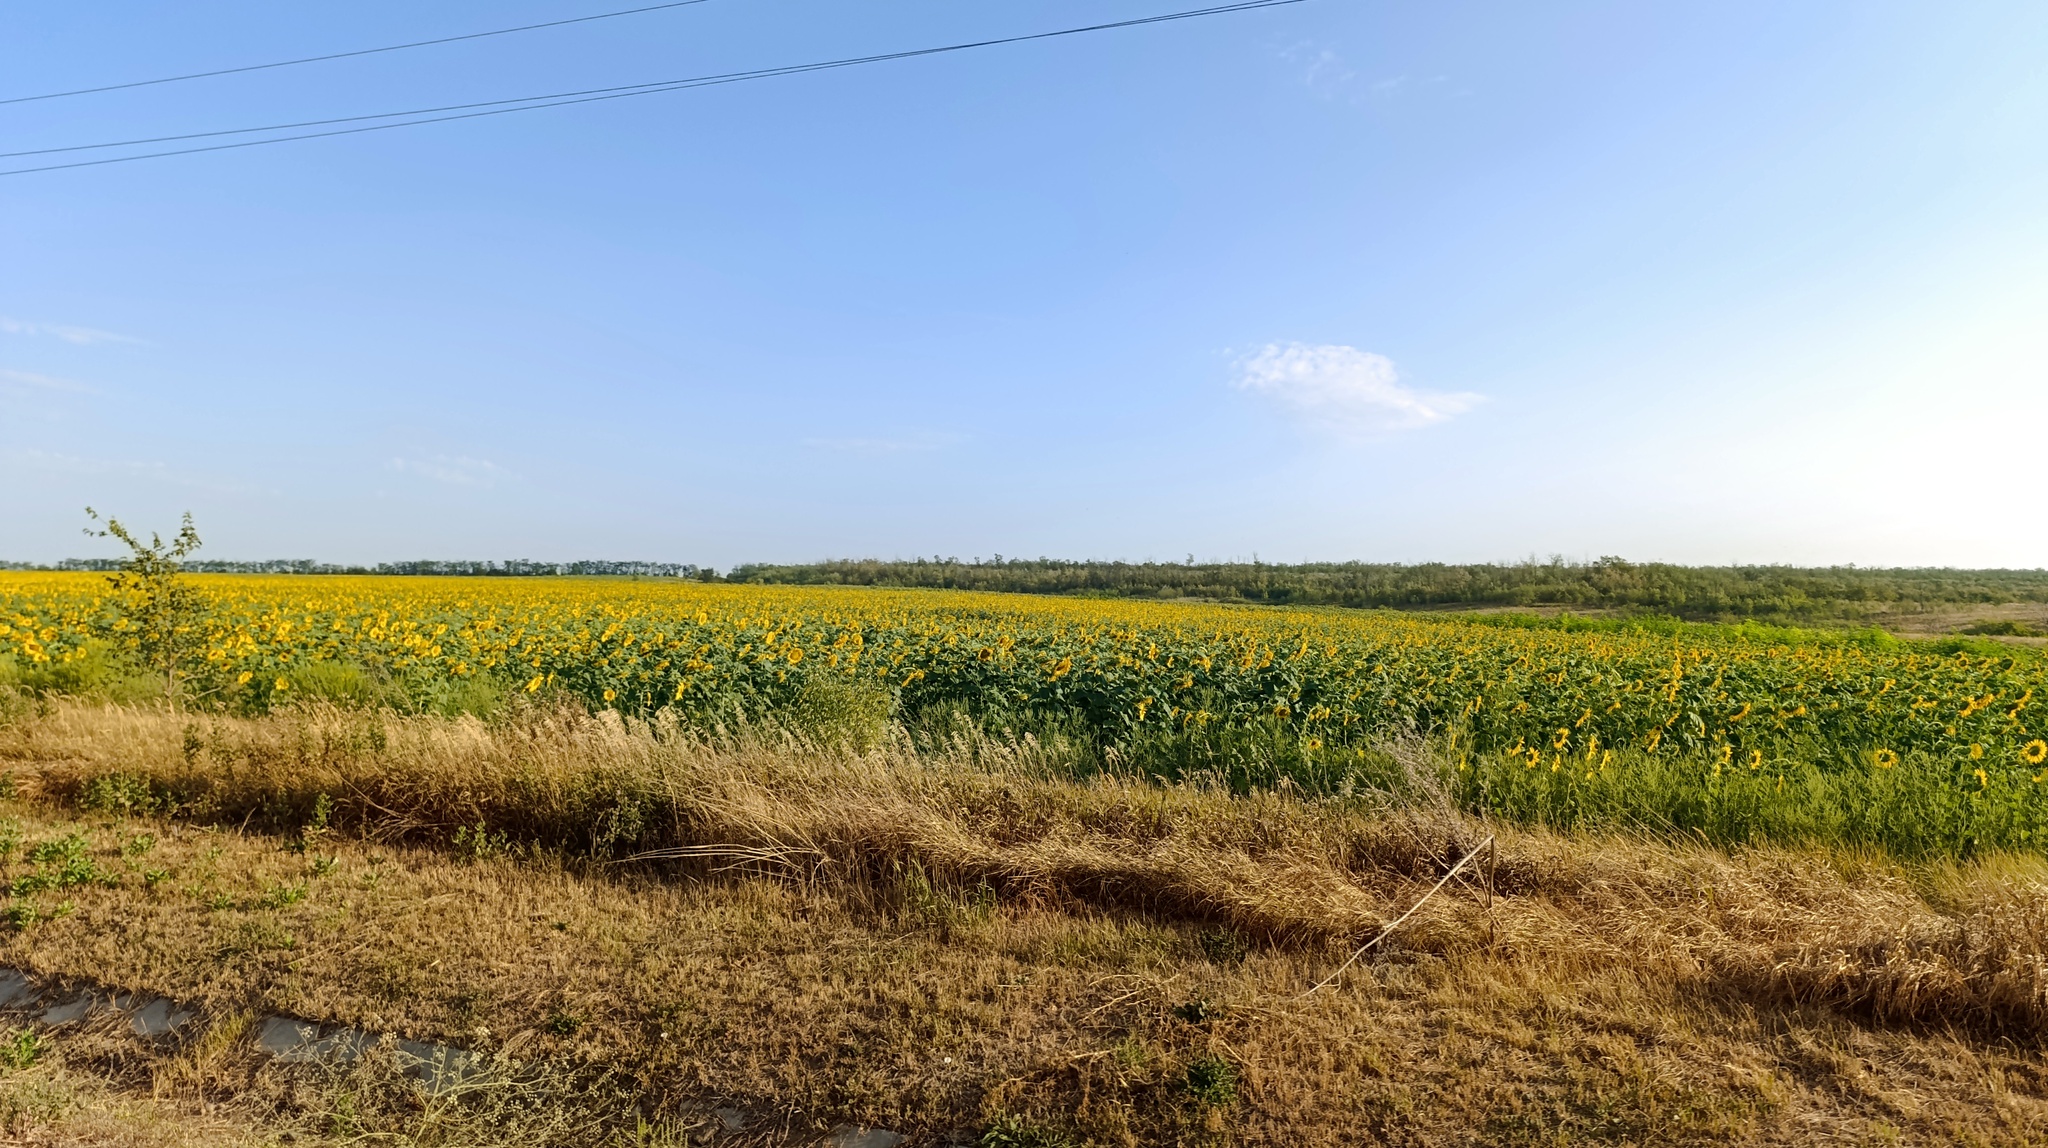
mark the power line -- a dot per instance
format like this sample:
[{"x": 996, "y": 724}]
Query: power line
[
  {"x": 590, "y": 95},
  {"x": 629, "y": 89},
  {"x": 347, "y": 55}
]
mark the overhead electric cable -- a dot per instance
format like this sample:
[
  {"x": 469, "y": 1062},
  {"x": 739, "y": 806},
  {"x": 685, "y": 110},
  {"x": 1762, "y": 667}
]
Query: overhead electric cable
[
  {"x": 590, "y": 95},
  {"x": 347, "y": 55}
]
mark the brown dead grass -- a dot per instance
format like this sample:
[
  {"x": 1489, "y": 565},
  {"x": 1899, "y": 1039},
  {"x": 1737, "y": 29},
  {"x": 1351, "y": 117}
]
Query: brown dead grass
[
  {"x": 930, "y": 942},
  {"x": 50, "y": 1105}
]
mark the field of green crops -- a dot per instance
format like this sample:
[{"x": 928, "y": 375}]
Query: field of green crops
[{"x": 1726, "y": 731}]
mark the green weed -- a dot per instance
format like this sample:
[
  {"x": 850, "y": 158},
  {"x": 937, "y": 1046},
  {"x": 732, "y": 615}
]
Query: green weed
[{"x": 1210, "y": 1081}]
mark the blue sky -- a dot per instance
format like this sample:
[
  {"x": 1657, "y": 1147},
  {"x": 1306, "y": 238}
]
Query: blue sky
[{"x": 1705, "y": 283}]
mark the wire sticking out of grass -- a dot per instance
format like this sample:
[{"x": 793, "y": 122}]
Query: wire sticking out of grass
[{"x": 1397, "y": 921}]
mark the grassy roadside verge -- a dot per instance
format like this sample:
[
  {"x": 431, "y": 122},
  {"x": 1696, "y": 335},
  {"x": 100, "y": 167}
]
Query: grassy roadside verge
[{"x": 967, "y": 942}]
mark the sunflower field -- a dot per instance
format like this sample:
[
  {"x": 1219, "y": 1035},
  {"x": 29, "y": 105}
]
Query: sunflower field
[{"x": 1509, "y": 705}]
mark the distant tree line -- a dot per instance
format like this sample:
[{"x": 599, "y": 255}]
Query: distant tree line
[
  {"x": 1695, "y": 592},
  {"x": 509, "y": 568},
  {"x": 1608, "y": 584}
]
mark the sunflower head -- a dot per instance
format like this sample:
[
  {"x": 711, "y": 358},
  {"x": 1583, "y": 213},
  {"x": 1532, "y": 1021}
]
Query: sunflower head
[
  {"x": 1887, "y": 758},
  {"x": 2035, "y": 752}
]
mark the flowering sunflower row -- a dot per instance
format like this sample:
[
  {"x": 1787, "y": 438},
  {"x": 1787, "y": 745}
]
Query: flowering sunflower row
[{"x": 1338, "y": 677}]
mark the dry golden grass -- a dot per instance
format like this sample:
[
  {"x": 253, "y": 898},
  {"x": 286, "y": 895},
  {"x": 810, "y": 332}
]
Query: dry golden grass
[
  {"x": 930, "y": 943},
  {"x": 50, "y": 1105}
]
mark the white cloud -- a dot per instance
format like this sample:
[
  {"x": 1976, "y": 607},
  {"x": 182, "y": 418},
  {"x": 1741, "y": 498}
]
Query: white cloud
[
  {"x": 1322, "y": 69},
  {"x": 1353, "y": 393},
  {"x": 457, "y": 470},
  {"x": 43, "y": 463},
  {"x": 41, "y": 382},
  {"x": 79, "y": 335}
]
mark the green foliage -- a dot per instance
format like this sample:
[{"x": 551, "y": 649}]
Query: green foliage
[
  {"x": 284, "y": 896},
  {"x": 61, "y": 864},
  {"x": 1210, "y": 1081},
  {"x": 1223, "y": 946},
  {"x": 158, "y": 613},
  {"x": 1018, "y": 1132},
  {"x": 1693, "y": 592},
  {"x": 1256, "y": 753},
  {"x": 2005, "y": 628},
  {"x": 833, "y": 711},
  {"x": 1909, "y": 805},
  {"x": 339, "y": 683},
  {"x": 20, "y": 1048},
  {"x": 477, "y": 696},
  {"x": 478, "y": 843},
  {"x": 316, "y": 827},
  {"x": 938, "y": 906},
  {"x": 123, "y": 795},
  {"x": 94, "y": 669}
]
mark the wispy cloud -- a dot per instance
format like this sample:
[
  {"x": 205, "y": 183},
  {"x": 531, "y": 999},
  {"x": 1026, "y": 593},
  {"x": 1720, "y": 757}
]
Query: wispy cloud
[
  {"x": 15, "y": 380},
  {"x": 1322, "y": 69},
  {"x": 44, "y": 462},
  {"x": 1353, "y": 393},
  {"x": 455, "y": 470},
  {"x": 885, "y": 445},
  {"x": 82, "y": 336}
]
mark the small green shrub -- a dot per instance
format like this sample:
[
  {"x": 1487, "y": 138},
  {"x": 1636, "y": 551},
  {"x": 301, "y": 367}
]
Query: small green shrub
[
  {"x": 1211, "y": 1081},
  {"x": 158, "y": 609},
  {"x": 316, "y": 828},
  {"x": 284, "y": 896},
  {"x": 1017, "y": 1132},
  {"x": 121, "y": 795},
  {"x": 478, "y": 843},
  {"x": 62, "y": 863},
  {"x": 20, "y": 1048},
  {"x": 1223, "y": 946}
]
